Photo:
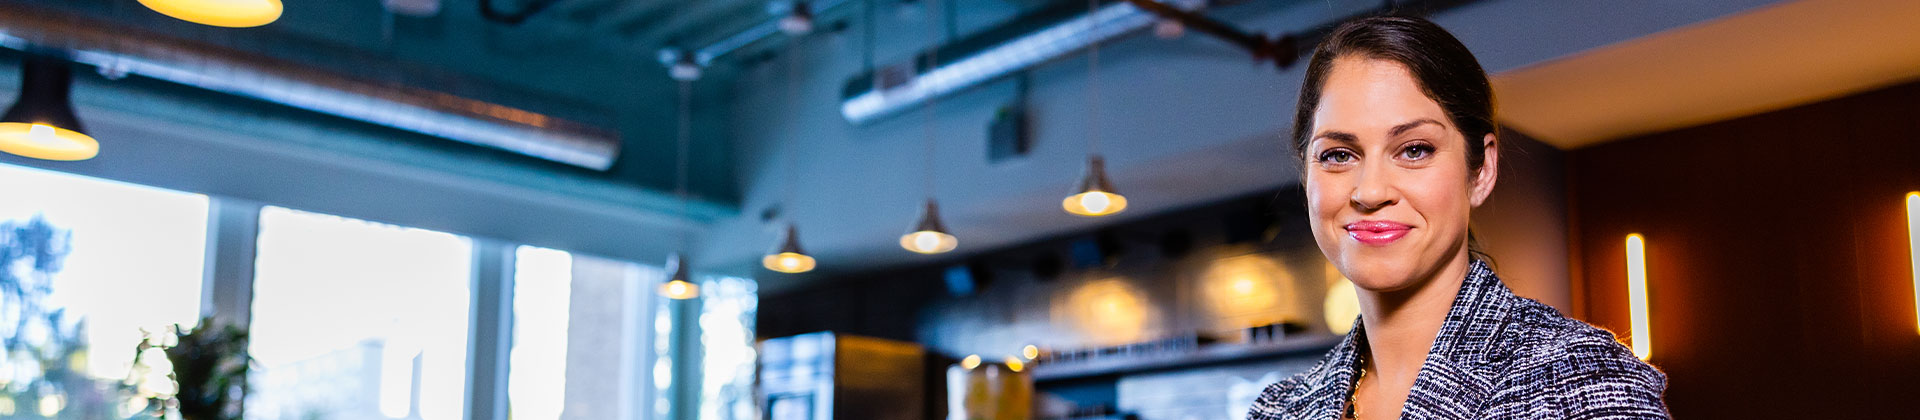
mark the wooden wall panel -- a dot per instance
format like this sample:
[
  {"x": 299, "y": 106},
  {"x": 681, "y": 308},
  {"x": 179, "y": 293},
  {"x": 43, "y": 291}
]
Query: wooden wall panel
[{"x": 1778, "y": 271}]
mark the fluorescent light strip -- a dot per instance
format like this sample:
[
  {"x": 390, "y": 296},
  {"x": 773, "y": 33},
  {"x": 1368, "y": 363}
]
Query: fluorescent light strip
[
  {"x": 1637, "y": 295},
  {"x": 1913, "y": 247}
]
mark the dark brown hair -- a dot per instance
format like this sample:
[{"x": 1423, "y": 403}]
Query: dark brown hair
[
  {"x": 1447, "y": 73},
  {"x": 1445, "y": 69}
]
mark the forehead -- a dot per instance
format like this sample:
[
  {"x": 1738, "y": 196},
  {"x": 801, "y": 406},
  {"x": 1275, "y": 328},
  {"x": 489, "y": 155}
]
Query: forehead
[{"x": 1367, "y": 96}]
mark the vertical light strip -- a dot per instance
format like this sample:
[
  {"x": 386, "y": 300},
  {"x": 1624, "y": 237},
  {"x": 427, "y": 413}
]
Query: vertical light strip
[
  {"x": 1913, "y": 247},
  {"x": 1637, "y": 295}
]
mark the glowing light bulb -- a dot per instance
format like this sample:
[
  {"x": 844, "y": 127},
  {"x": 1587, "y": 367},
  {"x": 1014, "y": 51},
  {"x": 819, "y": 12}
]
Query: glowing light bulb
[
  {"x": 972, "y": 361},
  {"x": 1243, "y": 285},
  {"x": 929, "y": 242},
  {"x": 1095, "y": 202},
  {"x": 42, "y": 134},
  {"x": 680, "y": 290},
  {"x": 1030, "y": 351},
  {"x": 1014, "y": 364},
  {"x": 788, "y": 262}
]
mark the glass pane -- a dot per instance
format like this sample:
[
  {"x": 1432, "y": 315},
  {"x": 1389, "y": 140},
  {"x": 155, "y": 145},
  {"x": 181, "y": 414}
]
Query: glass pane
[
  {"x": 575, "y": 330},
  {"x": 133, "y": 259},
  {"x": 727, "y": 310},
  {"x": 357, "y": 320},
  {"x": 542, "y": 283}
]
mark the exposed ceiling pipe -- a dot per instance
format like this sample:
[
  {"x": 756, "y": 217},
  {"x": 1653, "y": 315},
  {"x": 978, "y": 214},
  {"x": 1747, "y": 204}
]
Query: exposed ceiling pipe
[
  {"x": 117, "y": 52},
  {"x": 1050, "y": 34},
  {"x": 1013, "y": 46},
  {"x": 769, "y": 28}
]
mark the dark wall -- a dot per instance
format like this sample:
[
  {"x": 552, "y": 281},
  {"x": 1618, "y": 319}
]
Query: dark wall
[{"x": 1777, "y": 256}]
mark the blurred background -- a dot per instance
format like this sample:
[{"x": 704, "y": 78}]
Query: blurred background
[{"x": 899, "y": 209}]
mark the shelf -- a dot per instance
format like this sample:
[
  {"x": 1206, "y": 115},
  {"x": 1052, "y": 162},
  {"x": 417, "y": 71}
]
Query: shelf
[{"x": 1210, "y": 355}]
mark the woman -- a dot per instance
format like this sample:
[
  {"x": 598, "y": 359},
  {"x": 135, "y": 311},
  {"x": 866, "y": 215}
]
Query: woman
[{"x": 1395, "y": 130}]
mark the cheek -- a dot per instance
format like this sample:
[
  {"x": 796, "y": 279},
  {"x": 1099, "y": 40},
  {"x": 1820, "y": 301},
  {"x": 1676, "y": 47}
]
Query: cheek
[
  {"x": 1444, "y": 201},
  {"x": 1325, "y": 196}
]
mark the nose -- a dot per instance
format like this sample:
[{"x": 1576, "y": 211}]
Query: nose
[{"x": 1374, "y": 190}]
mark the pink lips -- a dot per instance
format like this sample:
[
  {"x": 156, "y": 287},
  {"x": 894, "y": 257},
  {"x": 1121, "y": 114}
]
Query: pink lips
[{"x": 1377, "y": 233}]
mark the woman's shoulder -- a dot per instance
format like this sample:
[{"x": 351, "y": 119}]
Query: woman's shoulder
[
  {"x": 1572, "y": 347},
  {"x": 1584, "y": 368}
]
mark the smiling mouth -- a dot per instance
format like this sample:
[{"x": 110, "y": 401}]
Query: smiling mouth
[{"x": 1377, "y": 233}]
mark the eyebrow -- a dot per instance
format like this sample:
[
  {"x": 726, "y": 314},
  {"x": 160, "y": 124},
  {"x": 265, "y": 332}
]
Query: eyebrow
[
  {"x": 1403, "y": 127},
  {"x": 1339, "y": 136},
  {"x": 1345, "y": 137}
]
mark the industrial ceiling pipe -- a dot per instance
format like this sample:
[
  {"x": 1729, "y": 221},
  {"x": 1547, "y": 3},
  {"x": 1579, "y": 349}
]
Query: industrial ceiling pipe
[
  {"x": 119, "y": 51},
  {"x": 1066, "y": 29}
]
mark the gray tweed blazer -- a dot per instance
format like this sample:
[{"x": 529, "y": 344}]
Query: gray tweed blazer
[{"x": 1498, "y": 356}]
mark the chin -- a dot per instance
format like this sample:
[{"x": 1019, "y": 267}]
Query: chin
[{"x": 1377, "y": 271}]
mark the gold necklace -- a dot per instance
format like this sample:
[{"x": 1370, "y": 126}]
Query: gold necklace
[{"x": 1353, "y": 397}]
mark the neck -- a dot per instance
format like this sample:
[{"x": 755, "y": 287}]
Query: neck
[{"x": 1401, "y": 324}]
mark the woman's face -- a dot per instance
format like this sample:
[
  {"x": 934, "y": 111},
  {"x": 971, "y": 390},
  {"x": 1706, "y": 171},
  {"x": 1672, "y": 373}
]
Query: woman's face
[{"x": 1388, "y": 188}]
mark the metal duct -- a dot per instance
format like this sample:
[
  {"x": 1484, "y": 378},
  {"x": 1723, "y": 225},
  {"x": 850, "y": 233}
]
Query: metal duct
[
  {"x": 115, "y": 51},
  {"x": 1017, "y": 45}
]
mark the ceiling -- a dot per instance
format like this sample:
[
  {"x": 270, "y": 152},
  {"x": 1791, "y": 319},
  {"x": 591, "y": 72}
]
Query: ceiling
[
  {"x": 1180, "y": 113},
  {"x": 1766, "y": 59},
  {"x": 594, "y": 61}
]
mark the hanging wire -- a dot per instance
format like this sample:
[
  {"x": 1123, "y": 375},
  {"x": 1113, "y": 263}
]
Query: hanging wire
[
  {"x": 685, "y": 137},
  {"x": 933, "y": 102},
  {"x": 1093, "y": 86},
  {"x": 791, "y": 169}
]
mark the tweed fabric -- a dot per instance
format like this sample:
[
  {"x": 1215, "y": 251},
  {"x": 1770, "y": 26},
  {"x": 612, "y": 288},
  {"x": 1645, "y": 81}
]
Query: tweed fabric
[{"x": 1498, "y": 356}]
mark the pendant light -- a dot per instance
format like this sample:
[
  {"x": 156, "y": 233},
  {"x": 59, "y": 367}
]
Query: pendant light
[
  {"x": 223, "y": 13},
  {"x": 1095, "y": 196},
  {"x": 41, "y": 124},
  {"x": 681, "y": 286},
  {"x": 929, "y": 235},
  {"x": 787, "y": 257}
]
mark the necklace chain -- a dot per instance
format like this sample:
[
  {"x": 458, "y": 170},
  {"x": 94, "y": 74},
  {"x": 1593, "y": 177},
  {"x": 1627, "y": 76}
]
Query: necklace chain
[{"x": 1353, "y": 397}]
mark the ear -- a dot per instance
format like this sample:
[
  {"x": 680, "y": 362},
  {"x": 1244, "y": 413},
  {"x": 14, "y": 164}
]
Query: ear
[{"x": 1489, "y": 172}]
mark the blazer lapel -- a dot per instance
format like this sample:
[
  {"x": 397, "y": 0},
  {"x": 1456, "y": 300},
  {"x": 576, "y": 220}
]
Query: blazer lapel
[
  {"x": 1458, "y": 377},
  {"x": 1332, "y": 382}
]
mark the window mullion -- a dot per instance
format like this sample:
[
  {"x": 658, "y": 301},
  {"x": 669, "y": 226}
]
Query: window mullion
[{"x": 491, "y": 336}]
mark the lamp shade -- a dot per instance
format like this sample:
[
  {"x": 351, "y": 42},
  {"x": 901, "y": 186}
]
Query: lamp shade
[
  {"x": 222, "y": 13},
  {"x": 930, "y": 235},
  {"x": 1095, "y": 195},
  {"x": 680, "y": 286},
  {"x": 788, "y": 258},
  {"x": 41, "y": 124}
]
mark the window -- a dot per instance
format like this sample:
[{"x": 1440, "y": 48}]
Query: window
[
  {"x": 576, "y": 327},
  {"x": 135, "y": 259},
  {"x": 729, "y": 305},
  {"x": 357, "y": 320}
]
